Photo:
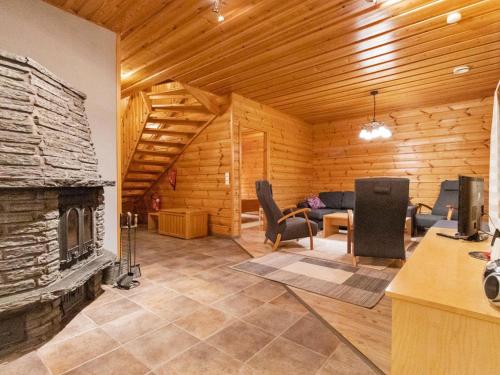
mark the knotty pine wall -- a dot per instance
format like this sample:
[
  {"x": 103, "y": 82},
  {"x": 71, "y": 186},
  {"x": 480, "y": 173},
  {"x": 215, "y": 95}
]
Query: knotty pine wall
[
  {"x": 289, "y": 141},
  {"x": 428, "y": 145},
  {"x": 252, "y": 162},
  {"x": 200, "y": 176}
]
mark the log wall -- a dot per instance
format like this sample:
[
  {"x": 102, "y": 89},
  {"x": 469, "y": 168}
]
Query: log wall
[
  {"x": 428, "y": 145},
  {"x": 289, "y": 141}
]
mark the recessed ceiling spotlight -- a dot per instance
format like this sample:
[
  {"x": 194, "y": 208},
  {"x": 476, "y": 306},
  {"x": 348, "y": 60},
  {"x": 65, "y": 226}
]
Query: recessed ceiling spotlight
[
  {"x": 461, "y": 69},
  {"x": 453, "y": 17},
  {"x": 371, "y": 1},
  {"x": 220, "y": 18}
]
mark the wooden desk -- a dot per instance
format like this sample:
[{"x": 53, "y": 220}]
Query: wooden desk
[{"x": 442, "y": 322}]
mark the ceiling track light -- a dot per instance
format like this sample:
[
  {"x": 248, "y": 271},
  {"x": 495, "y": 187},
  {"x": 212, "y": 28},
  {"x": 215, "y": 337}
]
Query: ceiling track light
[
  {"x": 374, "y": 129},
  {"x": 217, "y": 9}
]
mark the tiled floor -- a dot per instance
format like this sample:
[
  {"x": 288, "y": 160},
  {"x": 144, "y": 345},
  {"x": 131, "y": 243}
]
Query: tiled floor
[{"x": 192, "y": 314}]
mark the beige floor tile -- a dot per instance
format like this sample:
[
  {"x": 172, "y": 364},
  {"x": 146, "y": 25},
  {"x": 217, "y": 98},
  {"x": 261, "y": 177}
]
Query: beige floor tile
[
  {"x": 204, "y": 322},
  {"x": 65, "y": 355},
  {"x": 154, "y": 295},
  {"x": 238, "y": 304},
  {"x": 209, "y": 294},
  {"x": 79, "y": 324},
  {"x": 111, "y": 311},
  {"x": 27, "y": 364},
  {"x": 117, "y": 362},
  {"x": 312, "y": 334},
  {"x": 283, "y": 357},
  {"x": 132, "y": 325},
  {"x": 345, "y": 362},
  {"x": 144, "y": 284},
  {"x": 185, "y": 284},
  {"x": 201, "y": 359},
  {"x": 264, "y": 291},
  {"x": 288, "y": 302},
  {"x": 240, "y": 340},
  {"x": 161, "y": 345},
  {"x": 109, "y": 295},
  {"x": 271, "y": 318},
  {"x": 175, "y": 308},
  {"x": 213, "y": 274}
]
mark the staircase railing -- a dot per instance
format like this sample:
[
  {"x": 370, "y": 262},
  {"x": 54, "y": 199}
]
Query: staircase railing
[{"x": 133, "y": 122}]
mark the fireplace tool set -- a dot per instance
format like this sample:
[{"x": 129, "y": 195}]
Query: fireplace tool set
[{"x": 129, "y": 269}]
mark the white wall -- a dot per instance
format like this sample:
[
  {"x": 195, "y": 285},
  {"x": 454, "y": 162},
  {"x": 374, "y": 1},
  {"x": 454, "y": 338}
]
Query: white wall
[{"x": 83, "y": 54}]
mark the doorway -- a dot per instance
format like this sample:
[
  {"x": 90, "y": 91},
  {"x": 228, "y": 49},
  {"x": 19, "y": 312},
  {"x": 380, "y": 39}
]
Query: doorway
[{"x": 254, "y": 152}]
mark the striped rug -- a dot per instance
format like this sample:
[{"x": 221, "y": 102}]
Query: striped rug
[{"x": 360, "y": 286}]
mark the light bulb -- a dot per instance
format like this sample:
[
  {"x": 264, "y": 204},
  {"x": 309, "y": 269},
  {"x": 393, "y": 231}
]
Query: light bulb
[
  {"x": 220, "y": 18},
  {"x": 385, "y": 133},
  {"x": 369, "y": 136},
  {"x": 453, "y": 17},
  {"x": 375, "y": 133}
]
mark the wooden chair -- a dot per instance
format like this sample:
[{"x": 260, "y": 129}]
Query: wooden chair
[
  {"x": 283, "y": 227},
  {"x": 445, "y": 207}
]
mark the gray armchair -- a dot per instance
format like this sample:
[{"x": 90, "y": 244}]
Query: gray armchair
[
  {"x": 445, "y": 208},
  {"x": 281, "y": 227},
  {"x": 379, "y": 218}
]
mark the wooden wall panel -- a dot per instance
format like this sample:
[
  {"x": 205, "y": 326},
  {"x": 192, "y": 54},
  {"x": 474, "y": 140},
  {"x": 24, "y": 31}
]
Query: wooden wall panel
[
  {"x": 290, "y": 147},
  {"x": 200, "y": 176},
  {"x": 252, "y": 162},
  {"x": 428, "y": 145}
]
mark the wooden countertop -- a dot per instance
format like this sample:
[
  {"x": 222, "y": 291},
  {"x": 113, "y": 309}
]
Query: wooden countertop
[{"x": 442, "y": 275}]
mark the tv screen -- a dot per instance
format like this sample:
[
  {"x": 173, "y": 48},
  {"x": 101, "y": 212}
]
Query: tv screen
[{"x": 470, "y": 205}]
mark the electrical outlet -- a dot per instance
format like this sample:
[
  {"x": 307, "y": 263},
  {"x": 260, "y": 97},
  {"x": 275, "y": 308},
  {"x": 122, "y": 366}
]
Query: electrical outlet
[{"x": 226, "y": 178}]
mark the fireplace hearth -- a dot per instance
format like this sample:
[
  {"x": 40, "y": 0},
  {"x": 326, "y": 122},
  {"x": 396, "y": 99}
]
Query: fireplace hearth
[{"x": 51, "y": 205}]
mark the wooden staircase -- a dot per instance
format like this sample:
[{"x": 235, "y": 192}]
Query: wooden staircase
[{"x": 157, "y": 126}]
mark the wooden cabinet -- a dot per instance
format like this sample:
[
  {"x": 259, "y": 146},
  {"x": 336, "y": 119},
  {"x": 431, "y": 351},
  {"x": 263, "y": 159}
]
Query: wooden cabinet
[
  {"x": 442, "y": 323},
  {"x": 183, "y": 223}
]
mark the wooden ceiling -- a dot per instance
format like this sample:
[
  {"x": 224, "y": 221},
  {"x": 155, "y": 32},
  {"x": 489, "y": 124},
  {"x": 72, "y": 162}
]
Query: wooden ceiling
[{"x": 316, "y": 59}]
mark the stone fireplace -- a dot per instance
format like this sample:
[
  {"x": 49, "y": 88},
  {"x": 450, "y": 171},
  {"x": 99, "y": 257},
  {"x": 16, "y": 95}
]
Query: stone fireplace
[{"x": 51, "y": 205}]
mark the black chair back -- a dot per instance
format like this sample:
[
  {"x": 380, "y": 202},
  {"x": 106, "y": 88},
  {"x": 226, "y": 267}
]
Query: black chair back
[
  {"x": 379, "y": 217},
  {"x": 271, "y": 209},
  {"x": 448, "y": 196}
]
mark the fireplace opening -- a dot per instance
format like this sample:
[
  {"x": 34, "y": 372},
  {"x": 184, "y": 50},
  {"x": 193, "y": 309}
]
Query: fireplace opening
[{"x": 77, "y": 211}]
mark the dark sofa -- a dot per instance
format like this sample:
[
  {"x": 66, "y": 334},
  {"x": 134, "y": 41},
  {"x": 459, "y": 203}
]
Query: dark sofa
[{"x": 335, "y": 201}]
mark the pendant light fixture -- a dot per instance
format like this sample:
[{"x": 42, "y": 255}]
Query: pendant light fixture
[
  {"x": 217, "y": 9},
  {"x": 374, "y": 129}
]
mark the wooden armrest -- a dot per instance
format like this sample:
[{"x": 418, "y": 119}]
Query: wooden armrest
[
  {"x": 420, "y": 205},
  {"x": 293, "y": 213}
]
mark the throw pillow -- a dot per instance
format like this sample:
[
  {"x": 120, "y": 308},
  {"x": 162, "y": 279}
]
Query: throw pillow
[{"x": 315, "y": 202}]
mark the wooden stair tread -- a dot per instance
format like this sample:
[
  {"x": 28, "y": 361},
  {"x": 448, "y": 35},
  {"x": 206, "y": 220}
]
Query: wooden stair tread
[
  {"x": 158, "y": 142},
  {"x": 178, "y": 91},
  {"x": 156, "y": 152},
  {"x": 151, "y": 162},
  {"x": 175, "y": 120},
  {"x": 169, "y": 132},
  {"x": 181, "y": 107}
]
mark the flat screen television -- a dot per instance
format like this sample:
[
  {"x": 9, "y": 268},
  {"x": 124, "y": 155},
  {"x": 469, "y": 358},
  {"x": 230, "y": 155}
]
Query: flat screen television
[{"x": 470, "y": 207}]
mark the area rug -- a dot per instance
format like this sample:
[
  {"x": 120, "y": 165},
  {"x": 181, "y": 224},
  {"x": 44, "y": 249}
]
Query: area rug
[{"x": 360, "y": 286}]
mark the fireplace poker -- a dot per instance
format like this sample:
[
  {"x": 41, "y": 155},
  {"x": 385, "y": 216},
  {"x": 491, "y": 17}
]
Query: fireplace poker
[{"x": 126, "y": 279}]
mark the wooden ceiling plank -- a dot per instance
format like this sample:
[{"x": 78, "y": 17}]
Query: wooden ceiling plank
[
  {"x": 413, "y": 54},
  {"x": 347, "y": 31},
  {"x": 342, "y": 47},
  {"x": 364, "y": 84}
]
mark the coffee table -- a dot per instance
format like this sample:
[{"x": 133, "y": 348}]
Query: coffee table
[{"x": 332, "y": 223}]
